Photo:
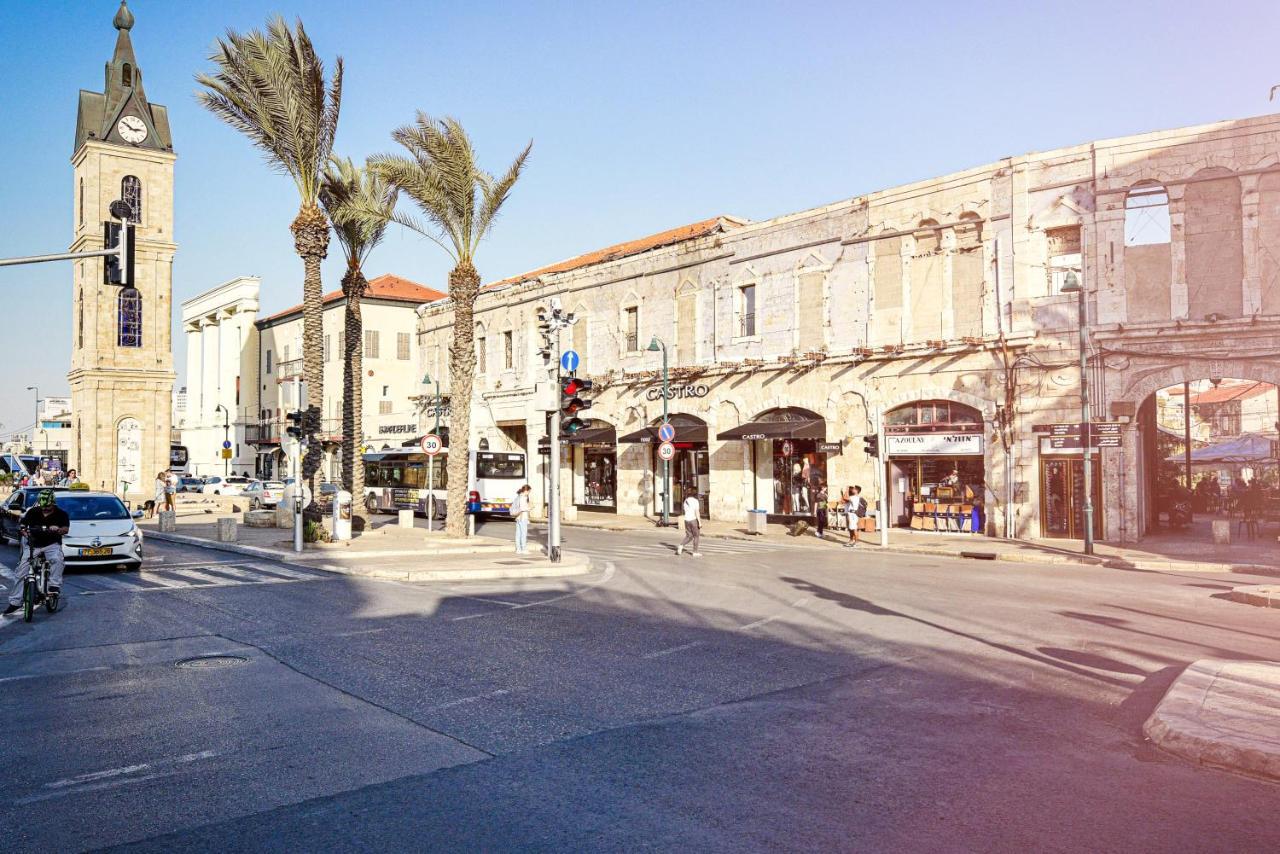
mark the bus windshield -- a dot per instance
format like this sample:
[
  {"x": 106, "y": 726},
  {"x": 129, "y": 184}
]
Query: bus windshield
[{"x": 506, "y": 466}]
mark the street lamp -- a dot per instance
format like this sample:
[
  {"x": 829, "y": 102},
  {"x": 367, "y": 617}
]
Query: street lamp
[
  {"x": 1071, "y": 285},
  {"x": 426, "y": 380},
  {"x": 226, "y": 430},
  {"x": 35, "y": 424},
  {"x": 654, "y": 346}
]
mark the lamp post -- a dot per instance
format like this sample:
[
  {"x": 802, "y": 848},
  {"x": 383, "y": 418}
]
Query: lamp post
[
  {"x": 35, "y": 425},
  {"x": 654, "y": 346},
  {"x": 1071, "y": 285},
  {"x": 426, "y": 380},
  {"x": 226, "y": 437}
]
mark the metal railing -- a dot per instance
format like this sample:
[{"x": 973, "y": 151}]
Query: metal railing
[{"x": 747, "y": 324}]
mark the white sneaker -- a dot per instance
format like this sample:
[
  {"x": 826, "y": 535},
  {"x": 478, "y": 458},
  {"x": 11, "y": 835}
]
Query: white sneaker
[
  {"x": 696, "y": 554},
  {"x": 679, "y": 550}
]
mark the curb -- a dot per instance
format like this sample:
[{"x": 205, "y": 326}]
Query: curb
[
  {"x": 1013, "y": 557},
  {"x": 1219, "y": 714},
  {"x": 1259, "y": 595},
  {"x": 577, "y": 564}
]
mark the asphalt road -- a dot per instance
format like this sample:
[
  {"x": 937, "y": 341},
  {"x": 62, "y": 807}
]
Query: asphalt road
[{"x": 759, "y": 697}]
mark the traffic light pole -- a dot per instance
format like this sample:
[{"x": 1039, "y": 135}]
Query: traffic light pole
[
  {"x": 882, "y": 517},
  {"x": 553, "y": 463}
]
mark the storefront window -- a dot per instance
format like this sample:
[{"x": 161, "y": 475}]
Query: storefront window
[
  {"x": 599, "y": 477},
  {"x": 798, "y": 471},
  {"x": 940, "y": 415}
]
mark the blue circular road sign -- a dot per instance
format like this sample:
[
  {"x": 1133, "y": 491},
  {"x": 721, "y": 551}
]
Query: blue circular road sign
[
  {"x": 569, "y": 360},
  {"x": 666, "y": 432},
  {"x": 226, "y": 444}
]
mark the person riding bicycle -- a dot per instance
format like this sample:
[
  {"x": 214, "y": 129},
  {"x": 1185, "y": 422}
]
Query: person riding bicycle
[{"x": 44, "y": 525}]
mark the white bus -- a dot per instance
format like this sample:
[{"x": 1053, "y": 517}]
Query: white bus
[{"x": 398, "y": 480}]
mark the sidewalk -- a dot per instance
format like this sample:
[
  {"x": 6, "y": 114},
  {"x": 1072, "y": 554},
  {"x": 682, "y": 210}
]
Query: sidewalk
[
  {"x": 1261, "y": 557},
  {"x": 1222, "y": 714},
  {"x": 372, "y": 554}
]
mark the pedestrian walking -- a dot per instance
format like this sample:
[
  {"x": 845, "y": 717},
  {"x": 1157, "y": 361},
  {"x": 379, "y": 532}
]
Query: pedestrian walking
[
  {"x": 692, "y": 524},
  {"x": 520, "y": 512},
  {"x": 855, "y": 510},
  {"x": 820, "y": 509},
  {"x": 157, "y": 500}
]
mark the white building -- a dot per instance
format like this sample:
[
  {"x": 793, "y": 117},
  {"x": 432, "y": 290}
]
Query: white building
[
  {"x": 222, "y": 344},
  {"x": 391, "y": 373}
]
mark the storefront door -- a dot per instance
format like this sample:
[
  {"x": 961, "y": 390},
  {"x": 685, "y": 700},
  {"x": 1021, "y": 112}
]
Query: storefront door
[
  {"x": 1062, "y": 497},
  {"x": 690, "y": 475}
]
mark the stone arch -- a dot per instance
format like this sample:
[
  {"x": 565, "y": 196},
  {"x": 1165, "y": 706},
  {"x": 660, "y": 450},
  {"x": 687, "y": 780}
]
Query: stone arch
[
  {"x": 1152, "y": 380},
  {"x": 984, "y": 406}
]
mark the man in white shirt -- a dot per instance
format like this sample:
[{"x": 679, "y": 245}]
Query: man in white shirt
[{"x": 692, "y": 524}]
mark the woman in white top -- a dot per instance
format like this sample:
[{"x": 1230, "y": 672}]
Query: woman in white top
[{"x": 520, "y": 511}]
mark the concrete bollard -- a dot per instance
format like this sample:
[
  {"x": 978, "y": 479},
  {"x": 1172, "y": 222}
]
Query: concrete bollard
[
  {"x": 226, "y": 530},
  {"x": 260, "y": 519},
  {"x": 168, "y": 521},
  {"x": 1222, "y": 532},
  {"x": 406, "y": 518}
]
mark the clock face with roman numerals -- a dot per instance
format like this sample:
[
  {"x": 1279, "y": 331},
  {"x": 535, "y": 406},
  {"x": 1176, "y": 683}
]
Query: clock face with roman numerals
[{"x": 131, "y": 129}]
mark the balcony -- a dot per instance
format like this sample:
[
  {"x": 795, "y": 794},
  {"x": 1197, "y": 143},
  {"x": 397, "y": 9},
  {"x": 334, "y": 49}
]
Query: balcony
[
  {"x": 289, "y": 369},
  {"x": 262, "y": 433}
]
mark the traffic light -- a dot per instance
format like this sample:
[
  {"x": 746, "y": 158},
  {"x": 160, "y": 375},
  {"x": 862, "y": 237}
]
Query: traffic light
[
  {"x": 571, "y": 403},
  {"x": 118, "y": 269},
  {"x": 295, "y": 424},
  {"x": 871, "y": 445}
]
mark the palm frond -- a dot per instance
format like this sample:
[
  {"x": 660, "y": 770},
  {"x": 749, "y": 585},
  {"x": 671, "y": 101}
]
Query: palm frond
[{"x": 359, "y": 204}]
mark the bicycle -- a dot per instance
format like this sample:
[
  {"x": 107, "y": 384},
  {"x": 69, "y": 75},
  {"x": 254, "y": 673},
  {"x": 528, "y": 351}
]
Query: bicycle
[{"x": 35, "y": 587}]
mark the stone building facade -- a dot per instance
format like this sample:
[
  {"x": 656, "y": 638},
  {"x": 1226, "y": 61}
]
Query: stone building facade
[
  {"x": 121, "y": 373},
  {"x": 936, "y": 309}
]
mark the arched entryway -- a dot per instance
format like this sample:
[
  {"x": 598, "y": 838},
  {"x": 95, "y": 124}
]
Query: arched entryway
[
  {"x": 786, "y": 455},
  {"x": 1209, "y": 452},
  {"x": 689, "y": 471},
  {"x": 934, "y": 454}
]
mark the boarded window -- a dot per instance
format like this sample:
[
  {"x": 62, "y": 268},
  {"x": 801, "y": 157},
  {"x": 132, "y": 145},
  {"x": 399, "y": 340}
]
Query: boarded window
[
  {"x": 402, "y": 346},
  {"x": 1269, "y": 241},
  {"x": 384, "y": 407},
  {"x": 888, "y": 290},
  {"x": 328, "y": 352},
  {"x": 1215, "y": 263},
  {"x": 967, "y": 286},
  {"x": 371, "y": 343},
  {"x": 926, "y": 286},
  {"x": 811, "y": 309}
]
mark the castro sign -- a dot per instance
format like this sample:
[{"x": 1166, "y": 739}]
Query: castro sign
[{"x": 677, "y": 392}]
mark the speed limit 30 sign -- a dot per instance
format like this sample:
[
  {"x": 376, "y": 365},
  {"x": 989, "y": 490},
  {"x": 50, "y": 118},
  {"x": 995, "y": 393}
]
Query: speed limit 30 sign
[
  {"x": 432, "y": 444},
  {"x": 666, "y": 451}
]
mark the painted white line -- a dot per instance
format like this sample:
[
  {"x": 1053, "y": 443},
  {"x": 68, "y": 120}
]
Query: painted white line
[
  {"x": 361, "y": 632},
  {"x": 198, "y": 563},
  {"x": 193, "y": 577},
  {"x": 54, "y": 673},
  {"x": 660, "y": 653},
  {"x": 96, "y": 780},
  {"x": 235, "y": 572},
  {"x": 609, "y": 570},
  {"x": 112, "y": 583},
  {"x": 466, "y": 700},
  {"x": 280, "y": 570},
  {"x": 162, "y": 581},
  {"x": 757, "y": 624},
  {"x": 182, "y": 588}
]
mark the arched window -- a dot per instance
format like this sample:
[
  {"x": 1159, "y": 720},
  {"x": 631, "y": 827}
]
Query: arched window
[
  {"x": 482, "y": 361},
  {"x": 131, "y": 194},
  {"x": 933, "y": 416},
  {"x": 1146, "y": 215},
  {"x": 80, "y": 322},
  {"x": 126, "y": 75},
  {"x": 129, "y": 318},
  {"x": 82, "y": 201}
]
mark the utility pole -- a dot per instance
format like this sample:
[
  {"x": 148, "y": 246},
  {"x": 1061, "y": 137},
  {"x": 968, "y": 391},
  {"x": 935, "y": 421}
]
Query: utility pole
[
  {"x": 226, "y": 430},
  {"x": 553, "y": 457}
]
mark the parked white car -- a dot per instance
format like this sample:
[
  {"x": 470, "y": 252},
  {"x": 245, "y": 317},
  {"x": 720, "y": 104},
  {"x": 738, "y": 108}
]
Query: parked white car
[
  {"x": 263, "y": 493},
  {"x": 233, "y": 485}
]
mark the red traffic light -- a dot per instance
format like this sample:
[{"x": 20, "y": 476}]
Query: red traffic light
[{"x": 570, "y": 386}]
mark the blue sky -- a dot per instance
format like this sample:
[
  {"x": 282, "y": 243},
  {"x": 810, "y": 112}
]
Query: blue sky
[{"x": 643, "y": 116}]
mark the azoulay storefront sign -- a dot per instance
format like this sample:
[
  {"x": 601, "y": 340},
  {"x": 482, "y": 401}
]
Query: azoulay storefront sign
[{"x": 933, "y": 444}]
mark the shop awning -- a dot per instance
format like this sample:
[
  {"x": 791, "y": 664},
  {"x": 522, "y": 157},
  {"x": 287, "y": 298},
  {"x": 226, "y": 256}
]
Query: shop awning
[
  {"x": 593, "y": 436},
  {"x": 806, "y": 429},
  {"x": 685, "y": 433}
]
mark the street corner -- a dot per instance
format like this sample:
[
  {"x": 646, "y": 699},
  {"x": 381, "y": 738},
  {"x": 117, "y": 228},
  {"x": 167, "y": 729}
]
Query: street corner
[
  {"x": 1222, "y": 714},
  {"x": 1258, "y": 595}
]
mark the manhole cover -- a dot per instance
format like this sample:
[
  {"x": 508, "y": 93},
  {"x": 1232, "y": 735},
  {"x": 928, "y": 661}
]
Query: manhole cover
[{"x": 208, "y": 662}]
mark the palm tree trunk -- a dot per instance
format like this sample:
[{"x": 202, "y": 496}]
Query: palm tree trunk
[
  {"x": 311, "y": 241},
  {"x": 354, "y": 288},
  {"x": 464, "y": 283}
]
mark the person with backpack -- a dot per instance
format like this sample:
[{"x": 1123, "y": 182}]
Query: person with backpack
[{"x": 855, "y": 510}]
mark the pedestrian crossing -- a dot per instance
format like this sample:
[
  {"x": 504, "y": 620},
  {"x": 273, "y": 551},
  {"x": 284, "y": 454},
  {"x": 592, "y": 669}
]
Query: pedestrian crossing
[
  {"x": 667, "y": 549},
  {"x": 186, "y": 577}
]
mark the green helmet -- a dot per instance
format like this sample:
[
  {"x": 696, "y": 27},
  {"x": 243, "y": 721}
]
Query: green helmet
[{"x": 45, "y": 498}]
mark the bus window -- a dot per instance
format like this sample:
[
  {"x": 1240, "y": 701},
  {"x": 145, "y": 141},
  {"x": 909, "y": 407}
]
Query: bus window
[{"x": 509, "y": 466}]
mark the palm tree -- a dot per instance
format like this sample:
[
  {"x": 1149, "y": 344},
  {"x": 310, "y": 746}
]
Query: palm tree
[
  {"x": 360, "y": 204},
  {"x": 460, "y": 203},
  {"x": 271, "y": 87}
]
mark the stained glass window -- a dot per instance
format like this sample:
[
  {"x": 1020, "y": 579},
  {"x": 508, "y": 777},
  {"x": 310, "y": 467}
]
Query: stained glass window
[
  {"x": 131, "y": 194},
  {"x": 129, "y": 305}
]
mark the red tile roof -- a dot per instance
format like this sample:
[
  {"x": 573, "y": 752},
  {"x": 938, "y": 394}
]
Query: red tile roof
[
  {"x": 1233, "y": 391},
  {"x": 692, "y": 231},
  {"x": 385, "y": 287}
]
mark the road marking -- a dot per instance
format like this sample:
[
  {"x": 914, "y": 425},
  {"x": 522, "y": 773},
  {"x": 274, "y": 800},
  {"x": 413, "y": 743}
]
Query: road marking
[
  {"x": 660, "y": 653},
  {"x": 609, "y": 570},
  {"x": 477, "y": 698},
  {"x": 112, "y": 777},
  {"x": 55, "y": 673},
  {"x": 799, "y": 603}
]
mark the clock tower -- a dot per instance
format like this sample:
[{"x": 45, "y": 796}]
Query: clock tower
[{"x": 121, "y": 350}]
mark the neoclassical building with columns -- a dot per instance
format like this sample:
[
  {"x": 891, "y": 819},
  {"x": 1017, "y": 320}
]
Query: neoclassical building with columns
[{"x": 945, "y": 310}]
